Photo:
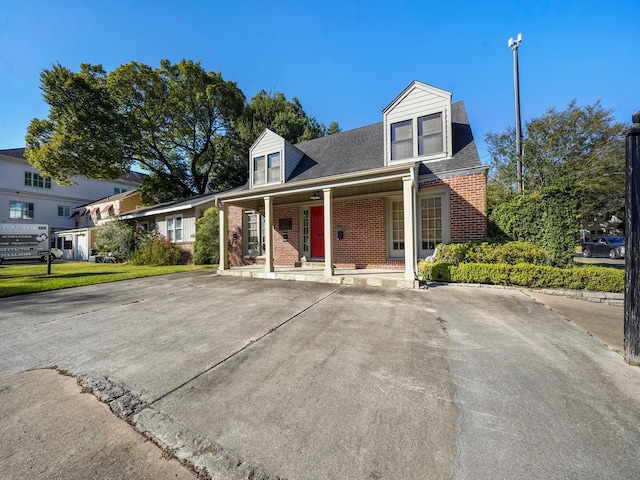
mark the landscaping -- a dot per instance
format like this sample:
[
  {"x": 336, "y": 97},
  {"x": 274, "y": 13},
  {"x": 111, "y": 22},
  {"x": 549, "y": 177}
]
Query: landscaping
[
  {"x": 22, "y": 278},
  {"x": 515, "y": 263}
]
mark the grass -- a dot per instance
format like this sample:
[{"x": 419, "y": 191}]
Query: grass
[{"x": 22, "y": 278}]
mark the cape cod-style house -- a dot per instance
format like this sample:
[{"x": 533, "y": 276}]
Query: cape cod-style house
[{"x": 379, "y": 196}]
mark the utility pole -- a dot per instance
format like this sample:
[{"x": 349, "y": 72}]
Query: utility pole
[
  {"x": 632, "y": 256},
  {"x": 513, "y": 45}
]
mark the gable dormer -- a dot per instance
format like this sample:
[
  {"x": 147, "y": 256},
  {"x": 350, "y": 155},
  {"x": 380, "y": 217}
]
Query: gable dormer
[
  {"x": 417, "y": 125},
  {"x": 271, "y": 160}
]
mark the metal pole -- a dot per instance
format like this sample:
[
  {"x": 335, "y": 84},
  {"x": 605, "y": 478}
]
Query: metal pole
[
  {"x": 632, "y": 256},
  {"x": 514, "y": 44}
]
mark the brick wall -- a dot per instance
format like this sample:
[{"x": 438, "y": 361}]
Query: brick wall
[
  {"x": 467, "y": 205},
  {"x": 286, "y": 253}
]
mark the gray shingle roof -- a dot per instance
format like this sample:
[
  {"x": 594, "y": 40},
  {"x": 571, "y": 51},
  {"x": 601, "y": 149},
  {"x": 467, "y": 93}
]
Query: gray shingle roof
[
  {"x": 174, "y": 204},
  {"x": 363, "y": 149}
]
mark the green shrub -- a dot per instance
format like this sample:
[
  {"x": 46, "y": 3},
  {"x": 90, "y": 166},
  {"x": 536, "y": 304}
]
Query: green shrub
[
  {"x": 207, "y": 244},
  {"x": 524, "y": 274},
  {"x": 491, "y": 252},
  {"x": 155, "y": 250},
  {"x": 116, "y": 237}
]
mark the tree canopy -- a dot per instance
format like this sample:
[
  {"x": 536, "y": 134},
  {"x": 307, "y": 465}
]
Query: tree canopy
[
  {"x": 188, "y": 128},
  {"x": 582, "y": 146}
]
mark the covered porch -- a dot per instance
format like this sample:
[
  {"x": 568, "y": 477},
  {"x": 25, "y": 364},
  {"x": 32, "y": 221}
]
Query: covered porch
[
  {"x": 343, "y": 276},
  {"x": 359, "y": 227}
]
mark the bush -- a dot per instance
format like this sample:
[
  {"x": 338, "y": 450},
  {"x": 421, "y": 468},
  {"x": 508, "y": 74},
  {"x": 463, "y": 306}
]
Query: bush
[
  {"x": 592, "y": 278},
  {"x": 486, "y": 252},
  {"x": 116, "y": 237},
  {"x": 207, "y": 244},
  {"x": 155, "y": 250}
]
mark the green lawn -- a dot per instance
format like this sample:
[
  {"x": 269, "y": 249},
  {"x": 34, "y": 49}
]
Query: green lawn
[{"x": 18, "y": 279}]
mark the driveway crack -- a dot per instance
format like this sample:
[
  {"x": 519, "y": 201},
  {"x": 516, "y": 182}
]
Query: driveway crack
[{"x": 248, "y": 345}]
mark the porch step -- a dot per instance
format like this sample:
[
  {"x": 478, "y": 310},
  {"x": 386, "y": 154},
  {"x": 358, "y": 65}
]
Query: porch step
[{"x": 310, "y": 264}]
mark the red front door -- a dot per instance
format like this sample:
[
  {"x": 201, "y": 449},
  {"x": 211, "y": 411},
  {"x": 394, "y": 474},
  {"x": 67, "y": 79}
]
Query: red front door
[{"x": 317, "y": 231}]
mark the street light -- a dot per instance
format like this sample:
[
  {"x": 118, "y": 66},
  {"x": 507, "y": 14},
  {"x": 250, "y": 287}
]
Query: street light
[{"x": 513, "y": 45}]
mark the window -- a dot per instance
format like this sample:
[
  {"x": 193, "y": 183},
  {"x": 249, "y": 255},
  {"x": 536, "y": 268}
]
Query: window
[
  {"x": 255, "y": 234},
  {"x": 117, "y": 190},
  {"x": 174, "y": 228},
  {"x": 402, "y": 140},
  {"x": 430, "y": 134},
  {"x": 273, "y": 167},
  {"x": 305, "y": 232},
  {"x": 431, "y": 223},
  {"x": 36, "y": 180},
  {"x": 397, "y": 226},
  {"x": 21, "y": 210},
  {"x": 258, "y": 170},
  {"x": 266, "y": 169},
  {"x": 64, "y": 211}
]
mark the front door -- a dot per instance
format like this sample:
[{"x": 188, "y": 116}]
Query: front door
[{"x": 317, "y": 231}]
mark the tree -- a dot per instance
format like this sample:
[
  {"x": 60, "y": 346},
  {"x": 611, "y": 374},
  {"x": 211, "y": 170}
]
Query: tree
[
  {"x": 117, "y": 238},
  {"x": 207, "y": 244},
  {"x": 579, "y": 145},
  {"x": 266, "y": 110},
  {"x": 171, "y": 121}
]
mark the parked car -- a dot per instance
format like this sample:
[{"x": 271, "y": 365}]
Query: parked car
[
  {"x": 612, "y": 247},
  {"x": 54, "y": 253}
]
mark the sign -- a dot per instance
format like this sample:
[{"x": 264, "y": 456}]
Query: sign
[{"x": 18, "y": 240}]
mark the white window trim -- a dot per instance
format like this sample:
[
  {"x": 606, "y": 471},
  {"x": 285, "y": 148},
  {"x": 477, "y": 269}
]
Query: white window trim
[
  {"x": 245, "y": 236},
  {"x": 444, "y": 193},
  {"x": 266, "y": 168},
  {"x": 392, "y": 254},
  {"x": 166, "y": 227},
  {"x": 447, "y": 137}
]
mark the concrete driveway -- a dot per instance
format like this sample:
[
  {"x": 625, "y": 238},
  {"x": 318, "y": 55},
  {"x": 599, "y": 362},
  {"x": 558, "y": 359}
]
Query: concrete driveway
[{"x": 314, "y": 381}]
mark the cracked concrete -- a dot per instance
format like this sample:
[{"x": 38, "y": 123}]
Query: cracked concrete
[{"x": 270, "y": 379}]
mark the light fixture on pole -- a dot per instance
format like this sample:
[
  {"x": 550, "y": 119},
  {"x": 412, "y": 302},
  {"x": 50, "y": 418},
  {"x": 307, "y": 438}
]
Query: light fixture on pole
[{"x": 513, "y": 45}]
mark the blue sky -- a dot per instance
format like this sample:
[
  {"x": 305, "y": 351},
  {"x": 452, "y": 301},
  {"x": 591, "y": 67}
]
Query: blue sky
[{"x": 344, "y": 60}]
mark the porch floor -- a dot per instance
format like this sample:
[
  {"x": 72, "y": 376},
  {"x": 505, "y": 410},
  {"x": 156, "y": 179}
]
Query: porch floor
[{"x": 365, "y": 276}]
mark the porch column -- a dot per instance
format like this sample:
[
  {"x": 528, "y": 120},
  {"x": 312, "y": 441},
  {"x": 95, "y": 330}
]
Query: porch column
[
  {"x": 409, "y": 220},
  {"x": 224, "y": 237},
  {"x": 328, "y": 232},
  {"x": 268, "y": 239}
]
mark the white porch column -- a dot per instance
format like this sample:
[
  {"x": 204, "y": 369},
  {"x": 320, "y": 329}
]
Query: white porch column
[
  {"x": 328, "y": 232},
  {"x": 224, "y": 237},
  {"x": 268, "y": 240},
  {"x": 409, "y": 220}
]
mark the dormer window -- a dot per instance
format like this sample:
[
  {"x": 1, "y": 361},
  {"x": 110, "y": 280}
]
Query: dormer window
[
  {"x": 266, "y": 171},
  {"x": 430, "y": 139},
  {"x": 401, "y": 140}
]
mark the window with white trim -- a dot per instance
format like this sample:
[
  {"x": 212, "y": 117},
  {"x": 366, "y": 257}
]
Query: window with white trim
[
  {"x": 266, "y": 169},
  {"x": 174, "y": 228},
  {"x": 36, "y": 180},
  {"x": 21, "y": 210},
  {"x": 430, "y": 138},
  {"x": 254, "y": 238},
  {"x": 402, "y": 140},
  {"x": 64, "y": 211},
  {"x": 395, "y": 227}
]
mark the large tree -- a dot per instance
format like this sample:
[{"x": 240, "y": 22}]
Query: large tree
[
  {"x": 269, "y": 110},
  {"x": 579, "y": 145},
  {"x": 171, "y": 121}
]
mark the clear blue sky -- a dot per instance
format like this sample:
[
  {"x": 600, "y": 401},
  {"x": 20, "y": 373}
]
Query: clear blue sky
[{"x": 344, "y": 60}]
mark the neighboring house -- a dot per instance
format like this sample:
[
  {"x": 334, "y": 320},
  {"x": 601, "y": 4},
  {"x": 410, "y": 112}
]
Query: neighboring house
[
  {"x": 28, "y": 197},
  {"x": 175, "y": 220},
  {"x": 380, "y": 196},
  {"x": 78, "y": 241}
]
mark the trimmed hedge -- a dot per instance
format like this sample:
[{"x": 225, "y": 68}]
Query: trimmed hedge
[
  {"x": 599, "y": 279},
  {"x": 487, "y": 252}
]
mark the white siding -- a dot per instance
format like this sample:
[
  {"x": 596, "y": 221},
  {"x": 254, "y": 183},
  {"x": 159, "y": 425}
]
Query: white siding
[
  {"x": 188, "y": 225},
  {"x": 269, "y": 142},
  {"x": 47, "y": 200},
  {"x": 292, "y": 157},
  {"x": 417, "y": 101}
]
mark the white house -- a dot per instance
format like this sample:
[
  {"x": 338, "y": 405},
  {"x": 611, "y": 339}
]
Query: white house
[{"x": 28, "y": 197}]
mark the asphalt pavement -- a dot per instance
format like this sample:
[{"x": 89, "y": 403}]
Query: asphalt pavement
[{"x": 249, "y": 378}]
